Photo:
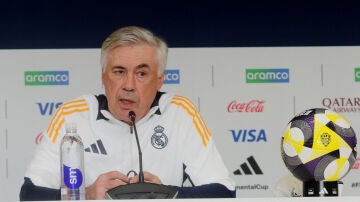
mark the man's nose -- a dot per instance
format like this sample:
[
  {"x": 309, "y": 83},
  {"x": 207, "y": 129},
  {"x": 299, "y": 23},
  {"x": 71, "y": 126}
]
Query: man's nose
[{"x": 129, "y": 83}]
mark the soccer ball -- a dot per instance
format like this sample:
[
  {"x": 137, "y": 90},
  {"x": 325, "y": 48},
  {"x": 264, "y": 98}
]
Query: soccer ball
[{"x": 319, "y": 145}]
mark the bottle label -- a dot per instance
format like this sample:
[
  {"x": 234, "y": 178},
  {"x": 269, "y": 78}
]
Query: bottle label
[{"x": 73, "y": 177}]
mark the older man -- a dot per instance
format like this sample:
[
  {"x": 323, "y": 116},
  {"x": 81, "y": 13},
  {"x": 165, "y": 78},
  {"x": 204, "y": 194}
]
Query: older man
[{"x": 176, "y": 144}]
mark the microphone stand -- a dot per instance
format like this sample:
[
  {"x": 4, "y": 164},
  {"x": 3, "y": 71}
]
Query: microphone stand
[
  {"x": 132, "y": 117},
  {"x": 142, "y": 189}
]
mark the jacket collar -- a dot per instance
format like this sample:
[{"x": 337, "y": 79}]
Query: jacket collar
[{"x": 103, "y": 105}]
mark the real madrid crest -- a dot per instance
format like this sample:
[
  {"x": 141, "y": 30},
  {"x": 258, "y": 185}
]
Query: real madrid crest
[{"x": 159, "y": 140}]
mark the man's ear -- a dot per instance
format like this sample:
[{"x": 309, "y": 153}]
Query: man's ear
[
  {"x": 102, "y": 75},
  {"x": 160, "y": 80}
]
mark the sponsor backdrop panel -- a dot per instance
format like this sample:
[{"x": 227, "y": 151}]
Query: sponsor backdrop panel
[
  {"x": 35, "y": 84},
  {"x": 245, "y": 95},
  {"x": 188, "y": 74}
]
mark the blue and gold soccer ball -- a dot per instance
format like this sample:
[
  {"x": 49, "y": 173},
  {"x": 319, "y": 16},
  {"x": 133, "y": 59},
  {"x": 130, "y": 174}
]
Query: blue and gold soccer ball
[{"x": 319, "y": 145}]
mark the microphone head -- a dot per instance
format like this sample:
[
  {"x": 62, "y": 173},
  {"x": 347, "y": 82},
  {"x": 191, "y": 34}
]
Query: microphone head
[{"x": 132, "y": 116}]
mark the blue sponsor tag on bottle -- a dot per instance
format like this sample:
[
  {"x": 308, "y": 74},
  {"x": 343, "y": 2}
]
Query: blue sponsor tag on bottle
[{"x": 73, "y": 177}]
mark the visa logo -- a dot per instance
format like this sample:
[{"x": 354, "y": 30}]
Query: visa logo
[
  {"x": 172, "y": 76},
  {"x": 251, "y": 135},
  {"x": 267, "y": 75},
  {"x": 42, "y": 78},
  {"x": 48, "y": 108}
]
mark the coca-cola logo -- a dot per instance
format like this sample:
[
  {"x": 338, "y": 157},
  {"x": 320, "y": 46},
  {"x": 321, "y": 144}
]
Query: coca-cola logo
[
  {"x": 356, "y": 165},
  {"x": 342, "y": 104},
  {"x": 38, "y": 138},
  {"x": 251, "y": 106}
]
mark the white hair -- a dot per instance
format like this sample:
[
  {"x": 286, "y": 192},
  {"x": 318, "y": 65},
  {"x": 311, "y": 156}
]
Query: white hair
[{"x": 133, "y": 35}]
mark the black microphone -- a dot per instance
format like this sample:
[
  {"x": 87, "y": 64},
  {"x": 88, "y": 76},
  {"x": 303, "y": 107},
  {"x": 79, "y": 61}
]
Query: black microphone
[
  {"x": 132, "y": 117},
  {"x": 142, "y": 189}
]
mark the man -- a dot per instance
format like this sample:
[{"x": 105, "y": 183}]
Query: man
[{"x": 176, "y": 144}]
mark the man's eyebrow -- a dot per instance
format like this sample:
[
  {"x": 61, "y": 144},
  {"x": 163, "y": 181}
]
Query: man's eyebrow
[
  {"x": 143, "y": 65},
  {"x": 117, "y": 67}
]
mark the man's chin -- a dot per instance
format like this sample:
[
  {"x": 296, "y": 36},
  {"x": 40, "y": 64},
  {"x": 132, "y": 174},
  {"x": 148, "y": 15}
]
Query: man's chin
[{"x": 124, "y": 112}]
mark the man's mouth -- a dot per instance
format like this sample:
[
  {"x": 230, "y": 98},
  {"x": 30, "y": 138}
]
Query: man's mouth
[{"x": 126, "y": 101}]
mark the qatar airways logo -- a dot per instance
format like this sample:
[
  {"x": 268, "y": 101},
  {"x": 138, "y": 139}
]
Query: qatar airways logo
[
  {"x": 251, "y": 106},
  {"x": 281, "y": 75},
  {"x": 342, "y": 104}
]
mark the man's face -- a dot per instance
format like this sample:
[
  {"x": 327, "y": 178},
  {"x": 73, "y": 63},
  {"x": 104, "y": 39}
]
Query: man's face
[{"x": 131, "y": 80}]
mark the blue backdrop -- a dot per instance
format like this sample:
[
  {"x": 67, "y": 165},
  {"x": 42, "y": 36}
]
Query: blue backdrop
[{"x": 183, "y": 23}]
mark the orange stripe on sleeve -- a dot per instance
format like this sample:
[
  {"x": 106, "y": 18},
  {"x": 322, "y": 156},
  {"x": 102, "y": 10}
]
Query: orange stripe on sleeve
[
  {"x": 57, "y": 130},
  {"x": 65, "y": 109},
  {"x": 75, "y": 101},
  {"x": 74, "y": 106},
  {"x": 200, "y": 133},
  {"x": 75, "y": 110},
  {"x": 197, "y": 119},
  {"x": 184, "y": 107},
  {"x": 58, "y": 112},
  {"x": 204, "y": 128},
  {"x": 187, "y": 101},
  {"x": 52, "y": 127},
  {"x": 53, "y": 118}
]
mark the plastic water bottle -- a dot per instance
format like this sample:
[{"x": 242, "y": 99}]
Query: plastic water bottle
[{"x": 72, "y": 165}]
